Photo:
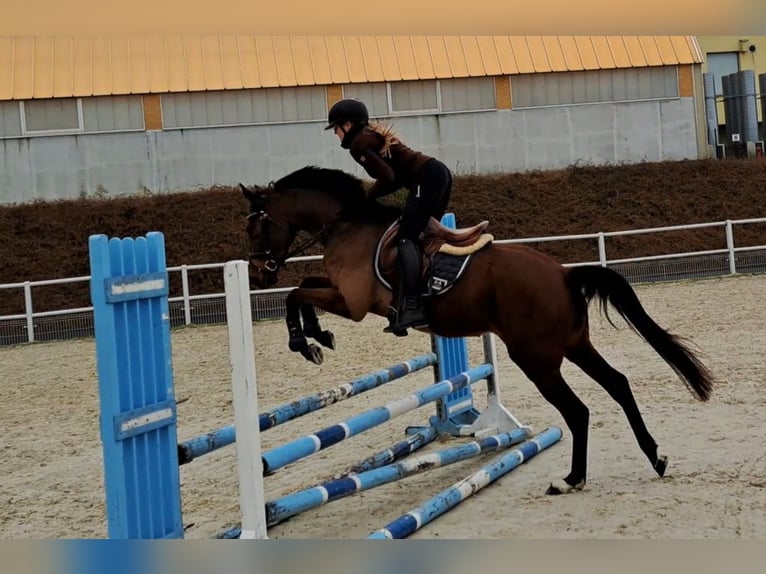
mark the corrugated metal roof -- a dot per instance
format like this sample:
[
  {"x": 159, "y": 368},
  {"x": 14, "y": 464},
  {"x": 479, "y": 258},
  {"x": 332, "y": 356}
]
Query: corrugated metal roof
[{"x": 44, "y": 67}]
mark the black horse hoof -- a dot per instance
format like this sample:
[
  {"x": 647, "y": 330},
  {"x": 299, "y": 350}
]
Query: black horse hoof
[
  {"x": 313, "y": 354},
  {"x": 661, "y": 465},
  {"x": 563, "y": 487},
  {"x": 326, "y": 339}
]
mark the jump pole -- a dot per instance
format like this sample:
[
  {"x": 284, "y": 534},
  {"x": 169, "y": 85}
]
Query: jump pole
[
  {"x": 302, "y": 447},
  {"x": 289, "y": 505},
  {"x": 450, "y": 497},
  {"x": 224, "y": 436}
]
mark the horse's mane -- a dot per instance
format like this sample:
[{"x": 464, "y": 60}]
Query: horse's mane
[
  {"x": 333, "y": 181},
  {"x": 344, "y": 187}
]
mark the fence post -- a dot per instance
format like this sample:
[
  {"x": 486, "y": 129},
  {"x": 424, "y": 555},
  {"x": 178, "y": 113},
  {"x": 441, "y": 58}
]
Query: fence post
[
  {"x": 601, "y": 249},
  {"x": 730, "y": 246},
  {"x": 185, "y": 287},
  {"x": 28, "y": 311}
]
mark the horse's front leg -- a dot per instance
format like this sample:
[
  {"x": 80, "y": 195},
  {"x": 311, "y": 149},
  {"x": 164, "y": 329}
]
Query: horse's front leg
[
  {"x": 327, "y": 298},
  {"x": 311, "y": 326}
]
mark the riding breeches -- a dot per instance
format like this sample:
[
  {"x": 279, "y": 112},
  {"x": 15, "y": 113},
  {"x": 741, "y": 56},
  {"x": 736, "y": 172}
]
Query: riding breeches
[{"x": 427, "y": 198}]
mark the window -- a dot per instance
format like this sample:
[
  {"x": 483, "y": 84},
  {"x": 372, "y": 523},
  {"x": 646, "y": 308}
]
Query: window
[
  {"x": 71, "y": 115},
  {"x": 414, "y": 96},
  {"x": 722, "y": 64},
  {"x": 467, "y": 94},
  {"x": 10, "y": 119},
  {"x": 375, "y": 95},
  {"x": 594, "y": 86},
  {"x": 243, "y": 107},
  {"x": 425, "y": 96},
  {"x": 52, "y": 115},
  {"x": 112, "y": 113}
]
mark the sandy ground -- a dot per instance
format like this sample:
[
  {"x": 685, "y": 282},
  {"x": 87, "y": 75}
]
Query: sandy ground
[{"x": 51, "y": 474}]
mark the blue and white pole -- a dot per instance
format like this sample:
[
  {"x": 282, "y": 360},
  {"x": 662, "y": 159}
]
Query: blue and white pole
[
  {"x": 434, "y": 507},
  {"x": 211, "y": 441},
  {"x": 283, "y": 508},
  {"x": 297, "y": 449}
]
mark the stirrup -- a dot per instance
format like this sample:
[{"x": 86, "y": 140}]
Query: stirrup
[
  {"x": 393, "y": 327},
  {"x": 399, "y": 325}
]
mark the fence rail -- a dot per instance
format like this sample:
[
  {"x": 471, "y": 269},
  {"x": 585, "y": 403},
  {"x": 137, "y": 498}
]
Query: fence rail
[{"x": 209, "y": 308}]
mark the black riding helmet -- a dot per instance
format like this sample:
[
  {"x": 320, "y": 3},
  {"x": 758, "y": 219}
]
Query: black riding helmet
[{"x": 347, "y": 110}]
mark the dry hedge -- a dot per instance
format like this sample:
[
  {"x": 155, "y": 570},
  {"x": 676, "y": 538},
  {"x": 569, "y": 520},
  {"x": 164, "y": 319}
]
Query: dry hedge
[{"x": 45, "y": 240}]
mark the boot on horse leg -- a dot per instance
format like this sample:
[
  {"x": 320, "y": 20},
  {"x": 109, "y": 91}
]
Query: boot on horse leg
[{"x": 410, "y": 312}]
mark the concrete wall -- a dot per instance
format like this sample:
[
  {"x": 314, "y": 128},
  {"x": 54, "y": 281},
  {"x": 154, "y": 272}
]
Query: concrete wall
[{"x": 65, "y": 167}]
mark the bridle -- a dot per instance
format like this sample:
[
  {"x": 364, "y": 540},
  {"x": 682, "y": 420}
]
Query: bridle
[{"x": 272, "y": 263}]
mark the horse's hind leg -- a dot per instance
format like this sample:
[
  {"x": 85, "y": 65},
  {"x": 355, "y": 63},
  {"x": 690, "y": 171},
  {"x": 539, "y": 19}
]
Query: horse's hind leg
[
  {"x": 311, "y": 326},
  {"x": 616, "y": 384},
  {"x": 557, "y": 392}
]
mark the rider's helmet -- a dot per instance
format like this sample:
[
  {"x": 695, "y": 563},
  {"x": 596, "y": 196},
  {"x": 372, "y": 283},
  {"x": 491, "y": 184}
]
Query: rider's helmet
[{"x": 347, "y": 110}]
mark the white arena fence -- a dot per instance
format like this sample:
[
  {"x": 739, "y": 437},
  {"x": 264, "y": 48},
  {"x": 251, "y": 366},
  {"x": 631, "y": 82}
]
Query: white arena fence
[{"x": 210, "y": 309}]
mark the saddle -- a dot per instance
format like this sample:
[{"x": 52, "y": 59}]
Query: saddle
[{"x": 438, "y": 240}]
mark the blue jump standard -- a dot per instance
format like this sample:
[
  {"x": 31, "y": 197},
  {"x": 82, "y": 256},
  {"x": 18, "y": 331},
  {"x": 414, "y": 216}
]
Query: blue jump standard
[
  {"x": 129, "y": 291},
  {"x": 434, "y": 507},
  {"x": 208, "y": 442},
  {"x": 297, "y": 449}
]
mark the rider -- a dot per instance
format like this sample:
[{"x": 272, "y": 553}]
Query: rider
[{"x": 394, "y": 165}]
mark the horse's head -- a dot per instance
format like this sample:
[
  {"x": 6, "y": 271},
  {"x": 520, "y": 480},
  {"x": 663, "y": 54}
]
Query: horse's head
[
  {"x": 310, "y": 199},
  {"x": 269, "y": 233}
]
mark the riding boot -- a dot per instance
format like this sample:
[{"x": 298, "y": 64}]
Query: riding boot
[{"x": 411, "y": 312}]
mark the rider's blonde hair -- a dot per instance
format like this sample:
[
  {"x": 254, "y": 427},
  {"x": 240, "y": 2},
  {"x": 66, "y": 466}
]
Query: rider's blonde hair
[{"x": 389, "y": 136}]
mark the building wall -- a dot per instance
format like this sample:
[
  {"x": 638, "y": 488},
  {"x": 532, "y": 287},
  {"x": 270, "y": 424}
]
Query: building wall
[
  {"x": 113, "y": 164},
  {"x": 748, "y": 60}
]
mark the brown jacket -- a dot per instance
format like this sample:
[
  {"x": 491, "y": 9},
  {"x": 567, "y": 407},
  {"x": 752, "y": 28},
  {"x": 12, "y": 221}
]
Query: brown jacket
[{"x": 391, "y": 163}]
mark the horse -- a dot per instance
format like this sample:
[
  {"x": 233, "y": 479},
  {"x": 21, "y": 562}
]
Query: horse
[{"x": 535, "y": 305}]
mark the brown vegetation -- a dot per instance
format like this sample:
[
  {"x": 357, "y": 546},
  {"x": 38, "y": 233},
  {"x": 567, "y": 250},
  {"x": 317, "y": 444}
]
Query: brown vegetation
[{"x": 46, "y": 240}]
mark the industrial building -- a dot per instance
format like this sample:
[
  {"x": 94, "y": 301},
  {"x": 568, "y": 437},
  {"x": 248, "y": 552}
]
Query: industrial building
[{"x": 83, "y": 117}]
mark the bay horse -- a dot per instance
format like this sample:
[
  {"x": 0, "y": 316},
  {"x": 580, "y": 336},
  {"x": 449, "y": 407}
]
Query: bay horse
[{"x": 535, "y": 305}]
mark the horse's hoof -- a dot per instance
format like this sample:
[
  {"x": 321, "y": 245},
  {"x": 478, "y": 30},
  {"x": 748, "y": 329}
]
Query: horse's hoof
[
  {"x": 661, "y": 465},
  {"x": 326, "y": 339},
  {"x": 563, "y": 487},
  {"x": 313, "y": 354}
]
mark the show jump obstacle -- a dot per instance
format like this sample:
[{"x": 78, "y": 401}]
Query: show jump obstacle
[{"x": 138, "y": 423}]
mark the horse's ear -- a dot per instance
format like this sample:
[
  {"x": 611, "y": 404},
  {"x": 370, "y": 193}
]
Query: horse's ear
[
  {"x": 255, "y": 198},
  {"x": 258, "y": 199},
  {"x": 246, "y": 192}
]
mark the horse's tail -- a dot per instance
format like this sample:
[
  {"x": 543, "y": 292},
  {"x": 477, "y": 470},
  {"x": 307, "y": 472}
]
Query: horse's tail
[{"x": 611, "y": 287}]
